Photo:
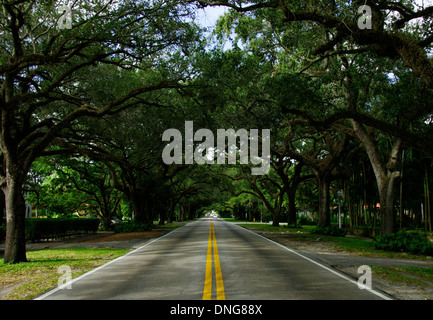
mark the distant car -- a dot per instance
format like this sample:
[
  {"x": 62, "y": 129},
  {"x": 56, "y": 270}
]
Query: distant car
[{"x": 115, "y": 220}]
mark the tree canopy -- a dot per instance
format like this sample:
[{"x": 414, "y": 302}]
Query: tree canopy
[{"x": 88, "y": 90}]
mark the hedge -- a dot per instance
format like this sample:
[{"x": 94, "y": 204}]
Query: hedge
[
  {"x": 131, "y": 227},
  {"x": 330, "y": 231},
  {"x": 39, "y": 229},
  {"x": 414, "y": 242}
]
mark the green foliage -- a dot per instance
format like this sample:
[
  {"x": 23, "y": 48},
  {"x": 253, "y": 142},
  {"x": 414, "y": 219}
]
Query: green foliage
[
  {"x": 38, "y": 229},
  {"x": 270, "y": 79},
  {"x": 296, "y": 225},
  {"x": 330, "y": 231},
  {"x": 305, "y": 221},
  {"x": 403, "y": 241},
  {"x": 53, "y": 192},
  {"x": 131, "y": 227},
  {"x": 366, "y": 230}
]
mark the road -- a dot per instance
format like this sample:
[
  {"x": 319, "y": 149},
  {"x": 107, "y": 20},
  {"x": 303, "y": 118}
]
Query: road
[{"x": 212, "y": 259}]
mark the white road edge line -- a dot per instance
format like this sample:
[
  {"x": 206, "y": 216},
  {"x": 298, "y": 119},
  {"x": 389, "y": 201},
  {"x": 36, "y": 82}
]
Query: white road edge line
[
  {"x": 379, "y": 294},
  {"x": 43, "y": 296}
]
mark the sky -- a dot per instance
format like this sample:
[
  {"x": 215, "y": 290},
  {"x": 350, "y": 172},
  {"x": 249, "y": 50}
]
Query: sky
[{"x": 208, "y": 16}]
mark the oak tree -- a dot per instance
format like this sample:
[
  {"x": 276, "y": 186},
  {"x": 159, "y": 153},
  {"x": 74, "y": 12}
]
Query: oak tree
[{"x": 46, "y": 63}]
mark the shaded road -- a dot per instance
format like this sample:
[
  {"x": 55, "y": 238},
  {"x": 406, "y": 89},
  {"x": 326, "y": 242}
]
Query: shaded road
[{"x": 213, "y": 259}]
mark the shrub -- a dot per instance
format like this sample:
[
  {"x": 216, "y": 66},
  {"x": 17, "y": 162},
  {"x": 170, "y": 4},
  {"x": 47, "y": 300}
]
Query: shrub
[
  {"x": 51, "y": 228},
  {"x": 296, "y": 225},
  {"x": 366, "y": 230},
  {"x": 131, "y": 227},
  {"x": 330, "y": 231},
  {"x": 305, "y": 221},
  {"x": 403, "y": 241}
]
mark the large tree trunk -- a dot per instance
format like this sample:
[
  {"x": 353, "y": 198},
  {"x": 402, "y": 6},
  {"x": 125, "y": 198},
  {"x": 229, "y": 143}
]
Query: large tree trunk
[
  {"x": 15, "y": 245},
  {"x": 276, "y": 217},
  {"x": 140, "y": 205},
  {"x": 324, "y": 201},
  {"x": 386, "y": 175},
  {"x": 387, "y": 214},
  {"x": 291, "y": 216},
  {"x": 290, "y": 186}
]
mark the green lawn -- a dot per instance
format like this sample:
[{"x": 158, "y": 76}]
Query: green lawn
[{"x": 27, "y": 280}]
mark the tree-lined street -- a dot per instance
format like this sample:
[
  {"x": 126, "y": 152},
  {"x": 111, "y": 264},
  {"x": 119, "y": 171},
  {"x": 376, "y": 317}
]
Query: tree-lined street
[{"x": 127, "y": 116}]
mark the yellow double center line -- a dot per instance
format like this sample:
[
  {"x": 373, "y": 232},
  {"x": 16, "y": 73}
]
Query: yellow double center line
[{"x": 207, "y": 292}]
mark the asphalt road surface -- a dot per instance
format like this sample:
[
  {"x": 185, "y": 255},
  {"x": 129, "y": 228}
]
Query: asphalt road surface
[{"x": 212, "y": 259}]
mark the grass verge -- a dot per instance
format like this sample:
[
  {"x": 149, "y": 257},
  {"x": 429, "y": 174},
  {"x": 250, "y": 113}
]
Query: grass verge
[
  {"x": 24, "y": 281},
  {"x": 349, "y": 244},
  {"x": 408, "y": 275},
  {"x": 408, "y": 283}
]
